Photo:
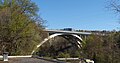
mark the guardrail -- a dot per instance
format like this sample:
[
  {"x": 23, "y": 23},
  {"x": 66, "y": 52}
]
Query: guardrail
[
  {"x": 68, "y": 59},
  {"x": 18, "y": 56}
]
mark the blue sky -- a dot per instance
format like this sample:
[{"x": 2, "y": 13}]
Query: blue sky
[{"x": 77, "y": 14}]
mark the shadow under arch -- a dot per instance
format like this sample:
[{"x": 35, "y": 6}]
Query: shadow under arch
[{"x": 58, "y": 34}]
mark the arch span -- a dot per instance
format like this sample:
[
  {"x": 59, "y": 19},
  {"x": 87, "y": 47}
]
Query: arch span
[{"x": 58, "y": 34}]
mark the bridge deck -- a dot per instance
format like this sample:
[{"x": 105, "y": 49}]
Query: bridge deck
[{"x": 71, "y": 32}]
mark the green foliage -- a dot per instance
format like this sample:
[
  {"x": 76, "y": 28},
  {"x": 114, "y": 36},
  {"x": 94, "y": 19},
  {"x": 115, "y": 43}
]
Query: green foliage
[
  {"x": 102, "y": 49},
  {"x": 64, "y": 55},
  {"x": 19, "y": 32}
]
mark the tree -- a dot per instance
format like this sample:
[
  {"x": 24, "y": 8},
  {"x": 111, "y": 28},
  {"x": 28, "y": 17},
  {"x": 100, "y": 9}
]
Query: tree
[
  {"x": 102, "y": 49},
  {"x": 114, "y": 5},
  {"x": 20, "y": 26}
]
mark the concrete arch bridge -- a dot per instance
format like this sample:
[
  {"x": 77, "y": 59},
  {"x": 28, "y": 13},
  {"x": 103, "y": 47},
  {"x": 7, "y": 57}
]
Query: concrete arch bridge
[{"x": 76, "y": 36}]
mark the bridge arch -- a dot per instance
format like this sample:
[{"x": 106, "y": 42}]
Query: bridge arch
[{"x": 59, "y": 34}]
